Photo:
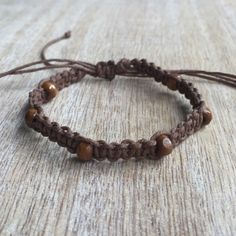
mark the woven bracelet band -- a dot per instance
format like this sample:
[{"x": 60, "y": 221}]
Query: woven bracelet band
[{"x": 159, "y": 145}]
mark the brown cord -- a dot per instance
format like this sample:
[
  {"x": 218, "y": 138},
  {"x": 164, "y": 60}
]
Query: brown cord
[
  {"x": 100, "y": 149},
  {"x": 96, "y": 70}
]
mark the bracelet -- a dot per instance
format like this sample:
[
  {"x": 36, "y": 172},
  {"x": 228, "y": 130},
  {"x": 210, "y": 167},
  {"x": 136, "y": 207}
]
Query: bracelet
[{"x": 159, "y": 145}]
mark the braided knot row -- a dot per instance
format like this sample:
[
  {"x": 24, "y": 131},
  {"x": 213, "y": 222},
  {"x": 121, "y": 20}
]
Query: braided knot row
[{"x": 102, "y": 150}]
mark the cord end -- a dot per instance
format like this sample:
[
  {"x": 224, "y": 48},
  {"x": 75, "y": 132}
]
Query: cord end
[{"x": 67, "y": 34}]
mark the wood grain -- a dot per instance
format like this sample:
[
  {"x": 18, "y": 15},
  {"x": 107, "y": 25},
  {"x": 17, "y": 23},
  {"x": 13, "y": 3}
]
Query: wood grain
[{"x": 43, "y": 191}]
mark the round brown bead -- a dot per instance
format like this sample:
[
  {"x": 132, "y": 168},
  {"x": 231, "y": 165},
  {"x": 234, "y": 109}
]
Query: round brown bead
[
  {"x": 84, "y": 151},
  {"x": 164, "y": 145},
  {"x": 29, "y": 116},
  {"x": 171, "y": 83},
  {"x": 207, "y": 116},
  {"x": 50, "y": 89}
]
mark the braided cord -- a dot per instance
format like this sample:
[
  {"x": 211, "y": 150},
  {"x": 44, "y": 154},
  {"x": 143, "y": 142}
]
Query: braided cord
[{"x": 127, "y": 148}]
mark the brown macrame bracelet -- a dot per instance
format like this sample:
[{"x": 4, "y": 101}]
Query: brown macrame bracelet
[{"x": 159, "y": 145}]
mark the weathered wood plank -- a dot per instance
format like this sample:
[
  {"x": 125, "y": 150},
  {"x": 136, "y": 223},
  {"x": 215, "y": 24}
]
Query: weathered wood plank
[{"x": 44, "y": 191}]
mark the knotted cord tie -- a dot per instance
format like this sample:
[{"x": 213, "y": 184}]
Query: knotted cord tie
[{"x": 108, "y": 70}]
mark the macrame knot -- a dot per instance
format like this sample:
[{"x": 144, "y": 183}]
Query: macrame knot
[
  {"x": 106, "y": 70},
  {"x": 123, "y": 66}
]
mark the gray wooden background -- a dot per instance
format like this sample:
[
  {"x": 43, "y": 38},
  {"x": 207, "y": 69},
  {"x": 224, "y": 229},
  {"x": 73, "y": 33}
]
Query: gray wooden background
[{"x": 44, "y": 191}]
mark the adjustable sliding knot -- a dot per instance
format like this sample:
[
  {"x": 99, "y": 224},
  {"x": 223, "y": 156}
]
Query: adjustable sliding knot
[
  {"x": 106, "y": 70},
  {"x": 126, "y": 67},
  {"x": 123, "y": 66}
]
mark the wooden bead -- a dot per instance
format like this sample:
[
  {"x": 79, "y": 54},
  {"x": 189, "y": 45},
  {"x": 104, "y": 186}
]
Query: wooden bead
[
  {"x": 171, "y": 83},
  {"x": 164, "y": 145},
  {"x": 207, "y": 116},
  {"x": 50, "y": 89},
  {"x": 84, "y": 151},
  {"x": 29, "y": 116}
]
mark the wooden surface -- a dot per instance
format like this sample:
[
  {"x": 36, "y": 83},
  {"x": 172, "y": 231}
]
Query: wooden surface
[{"x": 44, "y": 191}]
